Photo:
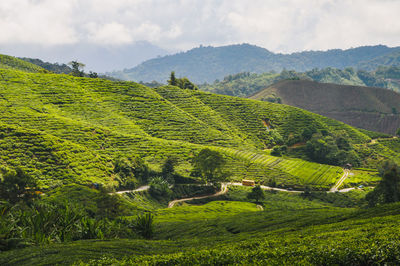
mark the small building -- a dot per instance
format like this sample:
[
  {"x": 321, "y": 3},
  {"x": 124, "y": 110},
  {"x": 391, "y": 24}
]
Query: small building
[
  {"x": 348, "y": 166},
  {"x": 250, "y": 183}
]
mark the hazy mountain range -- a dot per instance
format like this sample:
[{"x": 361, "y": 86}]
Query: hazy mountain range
[
  {"x": 206, "y": 64},
  {"x": 96, "y": 57}
]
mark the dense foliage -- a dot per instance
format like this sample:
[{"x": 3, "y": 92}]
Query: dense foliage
[
  {"x": 388, "y": 189},
  {"x": 335, "y": 150},
  {"x": 208, "y": 164},
  {"x": 256, "y": 193}
]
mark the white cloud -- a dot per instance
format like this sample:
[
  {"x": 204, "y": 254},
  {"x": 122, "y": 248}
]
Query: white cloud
[
  {"x": 39, "y": 22},
  {"x": 287, "y": 25},
  {"x": 112, "y": 33}
]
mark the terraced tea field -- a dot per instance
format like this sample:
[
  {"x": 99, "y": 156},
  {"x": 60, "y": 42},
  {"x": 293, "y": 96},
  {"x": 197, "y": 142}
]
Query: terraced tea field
[{"x": 104, "y": 119}]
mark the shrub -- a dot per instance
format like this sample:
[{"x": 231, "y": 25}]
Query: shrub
[
  {"x": 257, "y": 193},
  {"x": 144, "y": 225},
  {"x": 17, "y": 186},
  {"x": 130, "y": 171},
  {"x": 159, "y": 188}
]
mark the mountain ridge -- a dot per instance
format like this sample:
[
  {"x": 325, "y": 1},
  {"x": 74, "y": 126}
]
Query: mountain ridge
[{"x": 206, "y": 64}]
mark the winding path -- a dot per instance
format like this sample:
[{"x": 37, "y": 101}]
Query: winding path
[
  {"x": 142, "y": 188},
  {"x": 224, "y": 190}
]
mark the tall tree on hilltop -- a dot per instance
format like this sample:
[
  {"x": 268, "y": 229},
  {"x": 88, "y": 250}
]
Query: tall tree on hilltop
[
  {"x": 172, "y": 79},
  {"x": 77, "y": 68}
]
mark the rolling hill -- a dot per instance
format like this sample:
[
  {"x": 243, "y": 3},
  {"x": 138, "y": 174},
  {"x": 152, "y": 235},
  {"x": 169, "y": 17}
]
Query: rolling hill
[
  {"x": 369, "y": 108},
  {"x": 206, "y": 64},
  {"x": 10, "y": 62},
  {"x": 63, "y": 129}
]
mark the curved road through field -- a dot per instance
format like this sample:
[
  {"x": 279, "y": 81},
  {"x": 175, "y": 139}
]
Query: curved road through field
[{"x": 224, "y": 190}]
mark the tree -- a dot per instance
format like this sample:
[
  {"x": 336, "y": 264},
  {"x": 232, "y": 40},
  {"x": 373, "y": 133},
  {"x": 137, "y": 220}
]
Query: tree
[
  {"x": 93, "y": 74},
  {"x": 172, "y": 79},
  {"x": 388, "y": 190},
  {"x": 398, "y": 132},
  {"x": 209, "y": 164},
  {"x": 77, "y": 68},
  {"x": 307, "y": 133},
  {"x": 159, "y": 188},
  {"x": 130, "y": 171},
  {"x": 17, "y": 186},
  {"x": 185, "y": 83},
  {"x": 256, "y": 193},
  {"x": 168, "y": 170}
]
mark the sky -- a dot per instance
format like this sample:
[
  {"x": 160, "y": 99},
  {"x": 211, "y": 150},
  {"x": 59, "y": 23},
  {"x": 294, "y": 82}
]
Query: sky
[{"x": 176, "y": 25}]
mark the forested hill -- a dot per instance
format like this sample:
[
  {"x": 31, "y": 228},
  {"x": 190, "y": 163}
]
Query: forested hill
[{"x": 206, "y": 64}]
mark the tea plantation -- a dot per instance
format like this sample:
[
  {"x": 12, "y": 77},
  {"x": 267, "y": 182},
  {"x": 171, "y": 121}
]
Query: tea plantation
[
  {"x": 101, "y": 119},
  {"x": 80, "y": 139}
]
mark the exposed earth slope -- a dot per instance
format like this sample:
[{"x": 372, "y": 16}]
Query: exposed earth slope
[{"x": 370, "y": 108}]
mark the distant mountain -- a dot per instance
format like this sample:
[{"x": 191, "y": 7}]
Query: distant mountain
[
  {"x": 369, "y": 108},
  {"x": 391, "y": 59},
  {"x": 206, "y": 64},
  {"x": 96, "y": 57}
]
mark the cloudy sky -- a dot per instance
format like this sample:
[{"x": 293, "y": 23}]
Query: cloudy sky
[{"x": 175, "y": 25}]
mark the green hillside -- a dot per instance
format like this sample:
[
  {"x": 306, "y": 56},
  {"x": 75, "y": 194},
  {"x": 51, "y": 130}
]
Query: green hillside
[
  {"x": 10, "y": 62},
  {"x": 104, "y": 119},
  {"x": 75, "y": 128},
  {"x": 364, "y": 107},
  {"x": 206, "y": 64}
]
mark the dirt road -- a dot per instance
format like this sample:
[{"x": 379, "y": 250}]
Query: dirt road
[
  {"x": 142, "y": 188},
  {"x": 340, "y": 182},
  {"x": 224, "y": 189}
]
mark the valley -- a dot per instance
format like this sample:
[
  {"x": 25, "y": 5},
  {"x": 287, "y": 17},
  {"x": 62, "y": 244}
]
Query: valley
[{"x": 116, "y": 177}]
